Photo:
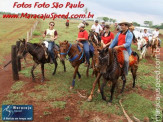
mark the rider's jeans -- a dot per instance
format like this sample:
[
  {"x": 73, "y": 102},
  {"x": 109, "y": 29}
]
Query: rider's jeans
[
  {"x": 50, "y": 49},
  {"x": 86, "y": 49},
  {"x": 126, "y": 62}
]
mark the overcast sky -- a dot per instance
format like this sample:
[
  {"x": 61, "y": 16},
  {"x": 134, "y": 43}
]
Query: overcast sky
[{"x": 131, "y": 10}]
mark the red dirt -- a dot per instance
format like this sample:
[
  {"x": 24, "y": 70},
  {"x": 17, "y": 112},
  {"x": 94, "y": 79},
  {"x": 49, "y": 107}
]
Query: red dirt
[{"x": 5, "y": 80}]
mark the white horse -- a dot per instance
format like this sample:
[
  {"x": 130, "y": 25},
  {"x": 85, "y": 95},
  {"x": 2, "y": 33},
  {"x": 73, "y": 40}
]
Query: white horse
[{"x": 142, "y": 47}]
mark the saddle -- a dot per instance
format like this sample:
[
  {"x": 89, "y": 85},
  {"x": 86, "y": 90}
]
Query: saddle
[{"x": 120, "y": 57}]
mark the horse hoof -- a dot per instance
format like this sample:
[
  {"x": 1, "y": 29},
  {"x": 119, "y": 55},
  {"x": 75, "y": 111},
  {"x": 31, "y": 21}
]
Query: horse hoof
[
  {"x": 89, "y": 99},
  {"x": 53, "y": 73},
  {"x": 71, "y": 87},
  {"x": 109, "y": 103},
  {"x": 98, "y": 91},
  {"x": 33, "y": 79}
]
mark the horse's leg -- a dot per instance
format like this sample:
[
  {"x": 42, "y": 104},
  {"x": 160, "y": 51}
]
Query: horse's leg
[
  {"x": 87, "y": 72},
  {"x": 34, "y": 66},
  {"x": 63, "y": 63},
  {"x": 56, "y": 64},
  {"x": 133, "y": 71},
  {"x": 112, "y": 91},
  {"x": 94, "y": 85},
  {"x": 79, "y": 76},
  {"x": 42, "y": 69},
  {"x": 124, "y": 82},
  {"x": 102, "y": 90},
  {"x": 74, "y": 76}
]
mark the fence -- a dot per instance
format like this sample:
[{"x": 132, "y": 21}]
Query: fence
[{"x": 15, "y": 60}]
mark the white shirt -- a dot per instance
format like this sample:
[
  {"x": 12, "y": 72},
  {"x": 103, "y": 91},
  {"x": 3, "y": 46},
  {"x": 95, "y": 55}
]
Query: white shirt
[
  {"x": 145, "y": 35},
  {"x": 140, "y": 35},
  {"x": 155, "y": 34},
  {"x": 96, "y": 28}
]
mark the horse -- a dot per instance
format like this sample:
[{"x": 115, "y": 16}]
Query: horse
[
  {"x": 39, "y": 56},
  {"x": 142, "y": 47},
  {"x": 109, "y": 67},
  {"x": 76, "y": 57},
  {"x": 154, "y": 44},
  {"x": 67, "y": 24},
  {"x": 93, "y": 37}
]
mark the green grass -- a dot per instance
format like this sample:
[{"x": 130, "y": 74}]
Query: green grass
[
  {"x": 18, "y": 85},
  {"x": 138, "y": 106},
  {"x": 58, "y": 104},
  {"x": 67, "y": 118},
  {"x": 36, "y": 33}
]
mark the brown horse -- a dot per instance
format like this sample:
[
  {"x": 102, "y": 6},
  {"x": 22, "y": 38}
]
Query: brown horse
[
  {"x": 112, "y": 61},
  {"x": 76, "y": 57},
  {"x": 67, "y": 24},
  {"x": 39, "y": 57},
  {"x": 93, "y": 38},
  {"x": 154, "y": 44}
]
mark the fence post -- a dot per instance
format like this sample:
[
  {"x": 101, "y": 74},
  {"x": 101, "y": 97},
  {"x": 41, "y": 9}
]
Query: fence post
[
  {"x": 14, "y": 63},
  {"x": 18, "y": 59},
  {"x": 27, "y": 36}
]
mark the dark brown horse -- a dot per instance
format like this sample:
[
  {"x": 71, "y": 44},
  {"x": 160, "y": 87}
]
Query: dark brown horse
[
  {"x": 76, "y": 57},
  {"x": 109, "y": 68},
  {"x": 39, "y": 56},
  {"x": 67, "y": 24}
]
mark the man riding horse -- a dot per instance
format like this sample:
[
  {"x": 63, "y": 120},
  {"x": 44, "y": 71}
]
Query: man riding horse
[
  {"x": 97, "y": 28},
  {"x": 83, "y": 38},
  {"x": 50, "y": 35},
  {"x": 123, "y": 41}
]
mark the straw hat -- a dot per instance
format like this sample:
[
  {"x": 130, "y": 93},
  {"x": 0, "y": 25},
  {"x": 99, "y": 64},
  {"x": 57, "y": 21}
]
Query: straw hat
[
  {"x": 124, "y": 22},
  {"x": 81, "y": 25}
]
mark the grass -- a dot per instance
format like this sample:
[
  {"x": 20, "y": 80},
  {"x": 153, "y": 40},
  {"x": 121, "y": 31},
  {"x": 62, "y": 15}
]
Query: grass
[
  {"x": 36, "y": 33},
  {"x": 67, "y": 118},
  {"x": 58, "y": 104},
  {"x": 138, "y": 106},
  {"x": 15, "y": 29},
  {"x": 18, "y": 85}
]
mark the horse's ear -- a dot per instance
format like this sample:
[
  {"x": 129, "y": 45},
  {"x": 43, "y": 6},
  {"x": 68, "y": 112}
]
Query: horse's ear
[
  {"x": 106, "y": 50},
  {"x": 66, "y": 42}
]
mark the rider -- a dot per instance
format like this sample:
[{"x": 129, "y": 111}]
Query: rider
[
  {"x": 155, "y": 36},
  {"x": 146, "y": 36},
  {"x": 123, "y": 42},
  {"x": 97, "y": 28},
  {"x": 50, "y": 35},
  {"x": 83, "y": 38},
  {"x": 107, "y": 37}
]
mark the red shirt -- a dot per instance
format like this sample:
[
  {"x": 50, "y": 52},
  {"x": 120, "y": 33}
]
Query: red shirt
[
  {"x": 121, "y": 40},
  {"x": 108, "y": 38},
  {"x": 67, "y": 20},
  {"x": 83, "y": 34}
]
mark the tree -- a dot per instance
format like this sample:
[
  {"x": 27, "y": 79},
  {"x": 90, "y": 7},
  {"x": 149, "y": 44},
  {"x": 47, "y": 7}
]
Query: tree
[
  {"x": 146, "y": 23},
  {"x": 105, "y": 19},
  {"x": 114, "y": 20},
  {"x": 135, "y": 24}
]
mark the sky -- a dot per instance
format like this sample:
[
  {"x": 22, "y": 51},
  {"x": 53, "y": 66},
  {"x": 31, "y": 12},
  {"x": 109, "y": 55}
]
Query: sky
[{"x": 129, "y": 10}]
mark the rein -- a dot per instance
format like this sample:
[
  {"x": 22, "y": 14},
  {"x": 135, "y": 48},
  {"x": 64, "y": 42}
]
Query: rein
[{"x": 73, "y": 58}]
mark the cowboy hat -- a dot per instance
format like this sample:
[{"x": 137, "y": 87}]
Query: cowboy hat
[
  {"x": 124, "y": 22},
  {"x": 81, "y": 25}
]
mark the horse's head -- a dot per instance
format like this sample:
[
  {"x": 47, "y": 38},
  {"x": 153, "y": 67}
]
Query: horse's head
[
  {"x": 22, "y": 49},
  {"x": 93, "y": 37},
  {"x": 64, "y": 49},
  {"x": 103, "y": 60},
  {"x": 140, "y": 43},
  {"x": 96, "y": 55}
]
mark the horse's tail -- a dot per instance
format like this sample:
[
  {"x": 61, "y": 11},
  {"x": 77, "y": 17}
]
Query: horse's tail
[{"x": 135, "y": 54}]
